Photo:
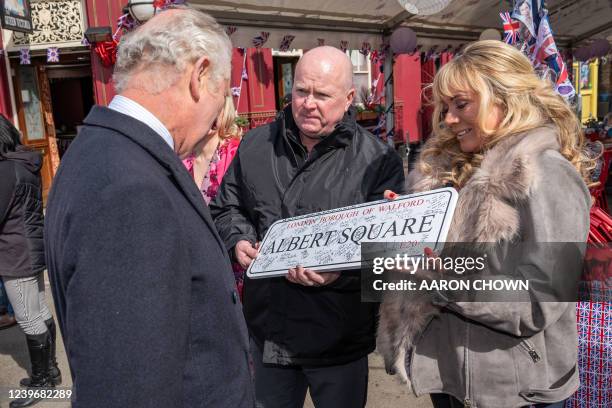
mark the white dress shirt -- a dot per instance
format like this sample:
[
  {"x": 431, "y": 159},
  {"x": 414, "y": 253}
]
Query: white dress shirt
[{"x": 128, "y": 107}]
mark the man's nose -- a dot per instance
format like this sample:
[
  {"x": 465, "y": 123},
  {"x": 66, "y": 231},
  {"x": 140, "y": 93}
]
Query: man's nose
[{"x": 309, "y": 102}]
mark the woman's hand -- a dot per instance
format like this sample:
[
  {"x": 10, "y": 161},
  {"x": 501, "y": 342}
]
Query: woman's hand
[{"x": 390, "y": 195}]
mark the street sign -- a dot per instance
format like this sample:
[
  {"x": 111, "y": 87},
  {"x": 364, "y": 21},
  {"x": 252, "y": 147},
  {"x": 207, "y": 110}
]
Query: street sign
[{"x": 330, "y": 240}]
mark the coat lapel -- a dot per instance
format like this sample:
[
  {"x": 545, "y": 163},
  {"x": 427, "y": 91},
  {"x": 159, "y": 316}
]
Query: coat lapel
[{"x": 153, "y": 143}]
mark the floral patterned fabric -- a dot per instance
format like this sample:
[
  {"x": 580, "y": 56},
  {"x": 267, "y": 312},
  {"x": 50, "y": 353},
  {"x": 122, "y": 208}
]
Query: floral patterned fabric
[{"x": 219, "y": 163}]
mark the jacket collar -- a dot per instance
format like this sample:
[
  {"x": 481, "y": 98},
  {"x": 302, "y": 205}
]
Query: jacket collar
[
  {"x": 341, "y": 136},
  {"x": 153, "y": 143}
]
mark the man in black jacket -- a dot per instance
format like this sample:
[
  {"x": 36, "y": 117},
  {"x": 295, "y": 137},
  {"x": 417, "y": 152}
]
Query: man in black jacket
[
  {"x": 309, "y": 330},
  {"x": 142, "y": 282}
]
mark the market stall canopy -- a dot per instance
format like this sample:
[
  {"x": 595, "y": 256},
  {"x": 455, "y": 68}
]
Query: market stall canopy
[{"x": 358, "y": 21}]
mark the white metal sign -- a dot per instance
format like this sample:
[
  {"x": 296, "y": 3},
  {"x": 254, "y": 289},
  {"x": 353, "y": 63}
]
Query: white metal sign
[{"x": 330, "y": 240}]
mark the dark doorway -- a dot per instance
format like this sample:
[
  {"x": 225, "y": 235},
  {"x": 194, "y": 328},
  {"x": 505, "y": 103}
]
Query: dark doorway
[{"x": 72, "y": 97}]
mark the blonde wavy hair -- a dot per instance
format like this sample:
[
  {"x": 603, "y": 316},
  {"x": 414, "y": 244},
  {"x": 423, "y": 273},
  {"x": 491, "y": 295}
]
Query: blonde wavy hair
[
  {"x": 498, "y": 74},
  {"x": 226, "y": 122}
]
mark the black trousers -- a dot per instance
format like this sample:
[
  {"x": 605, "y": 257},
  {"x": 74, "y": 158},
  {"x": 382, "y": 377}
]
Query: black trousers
[
  {"x": 448, "y": 401},
  {"x": 340, "y": 386}
]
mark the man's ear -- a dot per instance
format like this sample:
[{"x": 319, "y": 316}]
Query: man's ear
[
  {"x": 199, "y": 77},
  {"x": 349, "y": 98}
]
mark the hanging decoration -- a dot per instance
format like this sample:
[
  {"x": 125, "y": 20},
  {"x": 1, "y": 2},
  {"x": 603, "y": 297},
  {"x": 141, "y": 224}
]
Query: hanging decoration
[
  {"x": 52, "y": 54},
  {"x": 424, "y": 7},
  {"x": 125, "y": 22},
  {"x": 107, "y": 51},
  {"x": 286, "y": 42},
  {"x": 490, "y": 34},
  {"x": 229, "y": 30},
  {"x": 598, "y": 48},
  {"x": 260, "y": 40},
  {"x": 537, "y": 42},
  {"x": 343, "y": 46},
  {"x": 365, "y": 48},
  {"x": 24, "y": 56},
  {"x": 403, "y": 40},
  {"x": 432, "y": 54},
  {"x": 511, "y": 28},
  {"x": 236, "y": 90},
  {"x": 320, "y": 42}
]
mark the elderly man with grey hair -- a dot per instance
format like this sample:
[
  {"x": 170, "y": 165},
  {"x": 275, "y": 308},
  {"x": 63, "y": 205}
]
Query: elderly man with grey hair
[
  {"x": 143, "y": 286},
  {"x": 308, "y": 330}
]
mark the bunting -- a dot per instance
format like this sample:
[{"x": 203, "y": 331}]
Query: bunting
[
  {"x": 24, "y": 56},
  {"x": 286, "y": 42},
  {"x": 260, "y": 40},
  {"x": 365, "y": 48},
  {"x": 52, "y": 54}
]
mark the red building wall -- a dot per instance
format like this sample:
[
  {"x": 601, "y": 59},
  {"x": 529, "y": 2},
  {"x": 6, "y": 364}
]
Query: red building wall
[
  {"x": 257, "y": 101},
  {"x": 407, "y": 95},
  {"x": 102, "y": 13},
  {"x": 5, "y": 94}
]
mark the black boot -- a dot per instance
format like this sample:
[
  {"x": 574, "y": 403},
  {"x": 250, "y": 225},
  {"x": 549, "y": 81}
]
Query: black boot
[
  {"x": 39, "y": 346},
  {"x": 54, "y": 375}
]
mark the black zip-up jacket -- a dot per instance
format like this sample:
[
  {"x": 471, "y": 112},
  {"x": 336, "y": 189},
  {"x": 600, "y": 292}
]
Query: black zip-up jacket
[
  {"x": 272, "y": 177},
  {"x": 21, "y": 215}
]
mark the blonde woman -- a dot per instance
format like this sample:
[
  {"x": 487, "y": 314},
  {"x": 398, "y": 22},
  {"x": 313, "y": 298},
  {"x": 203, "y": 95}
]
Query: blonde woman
[
  {"x": 513, "y": 150},
  {"x": 214, "y": 154},
  {"x": 211, "y": 159}
]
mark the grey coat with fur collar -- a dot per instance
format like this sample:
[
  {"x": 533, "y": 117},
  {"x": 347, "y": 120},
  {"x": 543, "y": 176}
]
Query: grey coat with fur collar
[{"x": 499, "y": 354}]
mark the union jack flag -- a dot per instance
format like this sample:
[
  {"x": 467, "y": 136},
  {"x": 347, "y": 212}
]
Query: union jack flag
[
  {"x": 235, "y": 91},
  {"x": 594, "y": 352},
  {"x": 511, "y": 28},
  {"x": 261, "y": 39},
  {"x": 24, "y": 56},
  {"x": 365, "y": 48},
  {"x": 343, "y": 45},
  {"x": 286, "y": 42},
  {"x": 52, "y": 54},
  {"x": 539, "y": 45}
]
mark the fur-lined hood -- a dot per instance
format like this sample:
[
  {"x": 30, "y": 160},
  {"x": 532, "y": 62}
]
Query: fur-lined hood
[{"x": 487, "y": 205}]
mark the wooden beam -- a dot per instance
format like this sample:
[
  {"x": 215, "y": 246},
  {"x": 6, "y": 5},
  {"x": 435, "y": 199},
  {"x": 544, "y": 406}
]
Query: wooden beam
[
  {"x": 395, "y": 21},
  {"x": 592, "y": 32},
  {"x": 304, "y": 23}
]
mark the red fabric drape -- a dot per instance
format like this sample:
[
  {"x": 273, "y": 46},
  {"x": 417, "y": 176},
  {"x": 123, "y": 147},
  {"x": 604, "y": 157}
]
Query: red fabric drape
[
  {"x": 428, "y": 71},
  {"x": 445, "y": 57}
]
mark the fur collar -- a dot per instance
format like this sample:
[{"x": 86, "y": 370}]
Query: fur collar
[{"x": 487, "y": 209}]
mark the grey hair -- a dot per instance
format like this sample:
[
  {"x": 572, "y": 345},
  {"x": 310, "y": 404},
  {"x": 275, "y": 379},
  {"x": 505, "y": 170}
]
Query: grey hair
[{"x": 164, "y": 46}]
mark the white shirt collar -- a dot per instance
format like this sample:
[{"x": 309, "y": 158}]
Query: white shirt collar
[{"x": 128, "y": 107}]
